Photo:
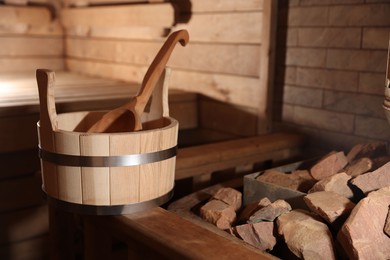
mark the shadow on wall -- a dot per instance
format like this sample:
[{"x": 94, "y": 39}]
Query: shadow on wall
[{"x": 280, "y": 58}]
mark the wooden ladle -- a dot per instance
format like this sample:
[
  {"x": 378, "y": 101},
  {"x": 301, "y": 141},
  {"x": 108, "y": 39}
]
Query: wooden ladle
[{"x": 127, "y": 117}]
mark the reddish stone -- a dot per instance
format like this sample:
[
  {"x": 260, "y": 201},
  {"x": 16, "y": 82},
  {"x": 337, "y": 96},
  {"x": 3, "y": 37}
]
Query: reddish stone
[
  {"x": 337, "y": 183},
  {"x": 218, "y": 213},
  {"x": 359, "y": 166},
  {"x": 304, "y": 180},
  {"x": 297, "y": 180},
  {"x": 259, "y": 235},
  {"x": 329, "y": 165},
  {"x": 270, "y": 212},
  {"x": 305, "y": 235},
  {"x": 362, "y": 235},
  {"x": 252, "y": 208},
  {"x": 371, "y": 150},
  {"x": 331, "y": 206},
  {"x": 230, "y": 196},
  {"x": 386, "y": 229},
  {"x": 373, "y": 180},
  {"x": 278, "y": 178}
]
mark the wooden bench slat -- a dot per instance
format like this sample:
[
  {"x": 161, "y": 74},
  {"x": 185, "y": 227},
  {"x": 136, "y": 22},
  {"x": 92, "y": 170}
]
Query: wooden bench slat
[
  {"x": 203, "y": 159},
  {"x": 176, "y": 238}
]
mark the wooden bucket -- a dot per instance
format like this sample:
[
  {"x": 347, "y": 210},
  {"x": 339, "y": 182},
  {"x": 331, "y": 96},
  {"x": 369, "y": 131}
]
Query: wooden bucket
[{"x": 105, "y": 173}]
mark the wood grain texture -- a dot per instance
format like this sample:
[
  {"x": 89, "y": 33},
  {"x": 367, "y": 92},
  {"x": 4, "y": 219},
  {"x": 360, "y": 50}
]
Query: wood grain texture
[
  {"x": 69, "y": 178},
  {"x": 203, "y": 159},
  {"x": 125, "y": 181},
  {"x": 95, "y": 181},
  {"x": 170, "y": 236},
  {"x": 124, "y": 15}
]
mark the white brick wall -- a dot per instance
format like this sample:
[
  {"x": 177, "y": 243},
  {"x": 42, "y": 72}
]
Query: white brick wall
[{"x": 331, "y": 62}]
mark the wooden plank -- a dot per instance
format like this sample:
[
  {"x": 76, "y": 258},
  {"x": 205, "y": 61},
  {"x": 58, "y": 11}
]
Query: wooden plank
[
  {"x": 227, "y": 58},
  {"x": 123, "y": 15},
  {"x": 267, "y": 59},
  {"x": 35, "y": 248},
  {"x": 225, "y": 5},
  {"x": 30, "y": 63},
  {"x": 95, "y": 181},
  {"x": 69, "y": 178},
  {"x": 235, "y": 27},
  {"x": 21, "y": 193},
  {"x": 125, "y": 181},
  {"x": 226, "y": 118},
  {"x": 173, "y": 237},
  {"x": 119, "y": 32},
  {"x": 31, "y": 15},
  {"x": 221, "y": 87},
  {"x": 207, "y": 158},
  {"x": 106, "y": 2},
  {"x": 18, "y": 133},
  {"x": 22, "y": 225},
  {"x": 149, "y": 177},
  {"x": 31, "y": 46},
  {"x": 12, "y": 168}
]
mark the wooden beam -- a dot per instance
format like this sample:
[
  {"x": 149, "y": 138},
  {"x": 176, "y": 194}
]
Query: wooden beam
[
  {"x": 203, "y": 159},
  {"x": 123, "y": 15},
  {"x": 167, "y": 235}
]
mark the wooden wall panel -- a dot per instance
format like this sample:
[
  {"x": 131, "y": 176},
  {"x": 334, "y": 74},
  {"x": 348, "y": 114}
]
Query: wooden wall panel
[
  {"x": 223, "y": 61},
  {"x": 29, "y": 38}
]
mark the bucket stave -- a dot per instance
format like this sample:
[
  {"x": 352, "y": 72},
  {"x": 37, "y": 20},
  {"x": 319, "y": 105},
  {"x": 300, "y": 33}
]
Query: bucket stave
[{"x": 104, "y": 173}]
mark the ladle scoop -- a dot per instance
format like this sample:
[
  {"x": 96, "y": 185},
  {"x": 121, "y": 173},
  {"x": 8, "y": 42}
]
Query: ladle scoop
[{"x": 127, "y": 118}]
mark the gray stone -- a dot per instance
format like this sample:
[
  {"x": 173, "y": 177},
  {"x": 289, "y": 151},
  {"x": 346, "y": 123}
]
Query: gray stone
[
  {"x": 337, "y": 183},
  {"x": 259, "y": 235},
  {"x": 270, "y": 212},
  {"x": 374, "y": 180},
  {"x": 329, "y": 165},
  {"x": 230, "y": 196},
  {"x": 331, "y": 206},
  {"x": 218, "y": 213},
  {"x": 362, "y": 235},
  {"x": 305, "y": 235}
]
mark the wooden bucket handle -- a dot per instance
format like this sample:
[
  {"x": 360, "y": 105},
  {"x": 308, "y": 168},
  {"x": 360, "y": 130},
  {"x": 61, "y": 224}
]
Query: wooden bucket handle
[
  {"x": 159, "y": 105},
  {"x": 48, "y": 115}
]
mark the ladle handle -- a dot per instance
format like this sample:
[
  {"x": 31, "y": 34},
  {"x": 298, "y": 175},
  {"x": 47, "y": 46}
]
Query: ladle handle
[{"x": 156, "y": 68}]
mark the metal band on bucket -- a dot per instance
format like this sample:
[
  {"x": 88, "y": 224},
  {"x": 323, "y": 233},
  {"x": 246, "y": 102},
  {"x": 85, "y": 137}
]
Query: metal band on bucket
[
  {"x": 109, "y": 209},
  {"x": 107, "y": 161}
]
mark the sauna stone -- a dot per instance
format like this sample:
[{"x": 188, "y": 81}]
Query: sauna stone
[
  {"x": 359, "y": 166},
  {"x": 251, "y": 208},
  {"x": 218, "y": 213},
  {"x": 386, "y": 229},
  {"x": 374, "y": 180},
  {"x": 370, "y": 150},
  {"x": 230, "y": 196},
  {"x": 305, "y": 235},
  {"x": 270, "y": 212},
  {"x": 259, "y": 235},
  {"x": 337, "y": 183},
  {"x": 362, "y": 236},
  {"x": 331, "y": 206},
  {"x": 296, "y": 180},
  {"x": 329, "y": 165}
]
